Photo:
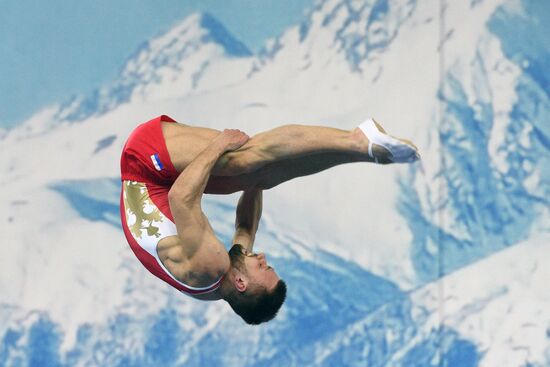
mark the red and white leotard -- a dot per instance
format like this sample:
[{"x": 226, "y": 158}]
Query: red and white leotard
[{"x": 147, "y": 174}]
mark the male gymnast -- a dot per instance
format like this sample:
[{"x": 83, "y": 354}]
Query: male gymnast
[{"x": 167, "y": 166}]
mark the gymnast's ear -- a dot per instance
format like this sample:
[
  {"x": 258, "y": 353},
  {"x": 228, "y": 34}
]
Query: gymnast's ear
[{"x": 240, "y": 281}]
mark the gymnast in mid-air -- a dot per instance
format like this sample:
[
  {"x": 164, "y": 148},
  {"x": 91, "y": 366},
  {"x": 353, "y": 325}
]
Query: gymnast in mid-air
[{"x": 166, "y": 167}]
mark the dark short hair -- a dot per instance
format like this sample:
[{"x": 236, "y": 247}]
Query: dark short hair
[{"x": 256, "y": 308}]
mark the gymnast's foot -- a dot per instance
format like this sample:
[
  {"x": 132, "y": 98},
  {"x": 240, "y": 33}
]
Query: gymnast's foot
[{"x": 383, "y": 148}]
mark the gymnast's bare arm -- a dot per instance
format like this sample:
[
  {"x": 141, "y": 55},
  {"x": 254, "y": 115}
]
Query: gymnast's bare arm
[
  {"x": 201, "y": 257},
  {"x": 249, "y": 212}
]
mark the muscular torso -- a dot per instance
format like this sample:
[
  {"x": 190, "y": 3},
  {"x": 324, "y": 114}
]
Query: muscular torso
[{"x": 200, "y": 269}]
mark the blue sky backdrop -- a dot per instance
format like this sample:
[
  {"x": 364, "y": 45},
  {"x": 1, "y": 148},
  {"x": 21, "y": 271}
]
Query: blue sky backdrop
[{"x": 54, "y": 49}]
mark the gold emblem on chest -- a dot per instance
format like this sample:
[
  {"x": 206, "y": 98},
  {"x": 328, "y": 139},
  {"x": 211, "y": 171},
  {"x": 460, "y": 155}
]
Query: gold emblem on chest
[{"x": 138, "y": 205}]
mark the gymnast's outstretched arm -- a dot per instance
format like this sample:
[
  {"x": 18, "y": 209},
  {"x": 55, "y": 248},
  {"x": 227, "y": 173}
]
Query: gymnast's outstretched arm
[{"x": 249, "y": 212}]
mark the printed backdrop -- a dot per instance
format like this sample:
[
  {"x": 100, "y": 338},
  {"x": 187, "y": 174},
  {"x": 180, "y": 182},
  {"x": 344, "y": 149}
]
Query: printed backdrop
[{"x": 442, "y": 263}]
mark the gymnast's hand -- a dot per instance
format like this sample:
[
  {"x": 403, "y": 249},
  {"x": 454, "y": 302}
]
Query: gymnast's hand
[{"x": 231, "y": 139}]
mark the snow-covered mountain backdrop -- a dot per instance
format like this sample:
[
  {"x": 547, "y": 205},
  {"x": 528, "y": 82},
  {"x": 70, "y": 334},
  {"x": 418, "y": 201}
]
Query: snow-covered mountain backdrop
[{"x": 433, "y": 264}]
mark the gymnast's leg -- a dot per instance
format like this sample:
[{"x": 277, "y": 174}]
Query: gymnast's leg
[
  {"x": 276, "y": 173},
  {"x": 273, "y": 174},
  {"x": 289, "y": 142},
  {"x": 282, "y": 143},
  {"x": 367, "y": 142}
]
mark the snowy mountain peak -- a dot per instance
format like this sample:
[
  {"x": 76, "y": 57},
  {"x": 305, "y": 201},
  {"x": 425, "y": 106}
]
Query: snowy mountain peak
[
  {"x": 170, "y": 65},
  {"x": 354, "y": 29},
  {"x": 219, "y": 34},
  {"x": 186, "y": 49},
  {"x": 203, "y": 28}
]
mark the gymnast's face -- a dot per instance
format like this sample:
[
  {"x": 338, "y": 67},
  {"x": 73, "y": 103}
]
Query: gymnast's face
[
  {"x": 259, "y": 271},
  {"x": 254, "y": 267}
]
